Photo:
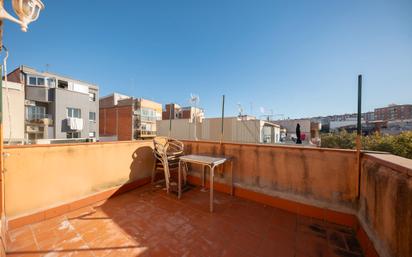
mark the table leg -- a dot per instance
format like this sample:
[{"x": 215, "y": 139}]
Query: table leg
[
  {"x": 203, "y": 176},
  {"x": 179, "y": 183},
  {"x": 231, "y": 177},
  {"x": 212, "y": 171}
]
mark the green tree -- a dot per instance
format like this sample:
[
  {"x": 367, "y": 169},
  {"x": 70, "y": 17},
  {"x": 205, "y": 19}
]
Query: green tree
[{"x": 400, "y": 145}]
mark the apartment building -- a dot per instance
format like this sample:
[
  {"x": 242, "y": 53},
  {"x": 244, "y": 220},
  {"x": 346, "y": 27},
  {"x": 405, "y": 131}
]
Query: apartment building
[
  {"x": 13, "y": 113},
  {"x": 57, "y": 107},
  {"x": 124, "y": 117},
  {"x": 175, "y": 111},
  {"x": 394, "y": 112}
]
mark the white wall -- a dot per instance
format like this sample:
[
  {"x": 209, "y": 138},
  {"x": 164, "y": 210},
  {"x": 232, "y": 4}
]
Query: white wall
[
  {"x": 248, "y": 131},
  {"x": 13, "y": 117}
]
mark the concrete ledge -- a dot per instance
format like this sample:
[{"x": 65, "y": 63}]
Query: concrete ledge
[{"x": 394, "y": 162}]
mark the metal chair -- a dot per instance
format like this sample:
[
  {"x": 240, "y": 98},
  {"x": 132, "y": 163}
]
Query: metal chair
[{"x": 167, "y": 152}]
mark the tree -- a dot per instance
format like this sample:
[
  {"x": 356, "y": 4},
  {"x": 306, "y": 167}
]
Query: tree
[{"x": 400, "y": 145}]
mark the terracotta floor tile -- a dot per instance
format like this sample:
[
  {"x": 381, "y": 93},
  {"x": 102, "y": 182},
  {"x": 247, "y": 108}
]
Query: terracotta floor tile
[
  {"x": 312, "y": 245},
  {"x": 283, "y": 220},
  {"x": 270, "y": 248},
  {"x": 247, "y": 241},
  {"x": 146, "y": 222}
]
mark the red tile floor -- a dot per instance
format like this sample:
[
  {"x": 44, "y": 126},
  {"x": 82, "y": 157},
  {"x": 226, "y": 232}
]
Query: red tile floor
[{"x": 150, "y": 223}]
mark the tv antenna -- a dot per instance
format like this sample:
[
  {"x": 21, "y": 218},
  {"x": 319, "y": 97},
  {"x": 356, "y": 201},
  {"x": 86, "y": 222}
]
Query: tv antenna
[
  {"x": 194, "y": 101},
  {"x": 240, "y": 109}
]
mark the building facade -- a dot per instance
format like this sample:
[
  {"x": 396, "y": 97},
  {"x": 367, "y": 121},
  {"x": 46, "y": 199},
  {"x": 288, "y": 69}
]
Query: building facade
[
  {"x": 13, "y": 113},
  {"x": 394, "y": 112},
  {"x": 57, "y": 107},
  {"x": 126, "y": 118},
  {"x": 175, "y": 111}
]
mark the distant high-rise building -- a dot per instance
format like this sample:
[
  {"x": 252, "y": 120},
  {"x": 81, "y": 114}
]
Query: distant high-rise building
[{"x": 394, "y": 112}]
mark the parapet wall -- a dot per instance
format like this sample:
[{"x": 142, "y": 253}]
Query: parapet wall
[
  {"x": 386, "y": 203},
  {"x": 41, "y": 177},
  {"x": 322, "y": 177}
]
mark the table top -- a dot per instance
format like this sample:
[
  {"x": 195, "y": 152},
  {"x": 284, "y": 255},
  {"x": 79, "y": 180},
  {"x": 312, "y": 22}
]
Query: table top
[{"x": 203, "y": 159}]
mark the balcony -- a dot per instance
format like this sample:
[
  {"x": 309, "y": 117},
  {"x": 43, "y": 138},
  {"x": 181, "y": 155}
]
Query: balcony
[
  {"x": 146, "y": 133},
  {"x": 289, "y": 201},
  {"x": 39, "y": 119}
]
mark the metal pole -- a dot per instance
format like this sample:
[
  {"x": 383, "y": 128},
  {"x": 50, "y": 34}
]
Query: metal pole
[
  {"x": 170, "y": 119},
  {"x": 359, "y": 132},
  {"x": 195, "y": 121},
  {"x": 223, "y": 117},
  {"x": 359, "y": 127}
]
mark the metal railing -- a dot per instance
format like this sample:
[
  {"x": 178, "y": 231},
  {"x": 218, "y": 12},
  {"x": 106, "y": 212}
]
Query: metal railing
[{"x": 38, "y": 117}]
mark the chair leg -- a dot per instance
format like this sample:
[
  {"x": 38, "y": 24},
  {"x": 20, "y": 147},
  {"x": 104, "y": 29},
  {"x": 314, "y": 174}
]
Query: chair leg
[
  {"x": 154, "y": 172},
  {"x": 185, "y": 171},
  {"x": 179, "y": 181},
  {"x": 167, "y": 177}
]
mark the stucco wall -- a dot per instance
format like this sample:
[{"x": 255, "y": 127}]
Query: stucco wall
[
  {"x": 13, "y": 117},
  {"x": 321, "y": 177},
  {"x": 245, "y": 131},
  {"x": 70, "y": 99},
  {"x": 386, "y": 203},
  {"x": 39, "y": 177}
]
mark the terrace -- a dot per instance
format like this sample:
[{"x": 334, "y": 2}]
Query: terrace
[{"x": 95, "y": 200}]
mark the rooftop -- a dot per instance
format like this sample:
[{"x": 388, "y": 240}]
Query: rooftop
[
  {"x": 95, "y": 199},
  {"x": 144, "y": 222}
]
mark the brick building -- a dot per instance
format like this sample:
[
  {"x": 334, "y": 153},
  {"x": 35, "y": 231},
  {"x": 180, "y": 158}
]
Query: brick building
[
  {"x": 394, "y": 112},
  {"x": 126, "y": 118},
  {"x": 179, "y": 112}
]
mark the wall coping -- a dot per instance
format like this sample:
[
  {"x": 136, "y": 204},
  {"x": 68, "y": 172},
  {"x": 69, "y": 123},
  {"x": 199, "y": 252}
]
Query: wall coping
[
  {"x": 394, "y": 162},
  {"x": 295, "y": 147},
  {"x": 74, "y": 144}
]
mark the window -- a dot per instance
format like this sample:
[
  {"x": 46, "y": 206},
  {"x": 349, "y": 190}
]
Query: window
[
  {"x": 62, "y": 84},
  {"x": 92, "y": 116},
  {"x": 40, "y": 81},
  {"x": 74, "y": 113},
  {"x": 51, "y": 82},
  {"x": 92, "y": 134},
  {"x": 35, "y": 112},
  {"x": 73, "y": 135},
  {"x": 92, "y": 97},
  {"x": 32, "y": 81}
]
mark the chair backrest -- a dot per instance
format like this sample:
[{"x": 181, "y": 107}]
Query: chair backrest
[
  {"x": 164, "y": 148},
  {"x": 174, "y": 147},
  {"x": 168, "y": 146}
]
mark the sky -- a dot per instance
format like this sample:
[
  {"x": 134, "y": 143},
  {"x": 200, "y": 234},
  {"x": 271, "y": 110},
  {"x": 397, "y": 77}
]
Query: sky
[{"x": 288, "y": 58}]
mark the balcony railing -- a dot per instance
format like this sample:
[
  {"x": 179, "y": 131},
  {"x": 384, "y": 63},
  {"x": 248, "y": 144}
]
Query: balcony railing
[
  {"x": 146, "y": 133},
  {"x": 40, "y": 118}
]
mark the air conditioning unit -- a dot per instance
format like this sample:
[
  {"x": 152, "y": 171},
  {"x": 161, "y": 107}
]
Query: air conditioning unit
[{"x": 29, "y": 103}]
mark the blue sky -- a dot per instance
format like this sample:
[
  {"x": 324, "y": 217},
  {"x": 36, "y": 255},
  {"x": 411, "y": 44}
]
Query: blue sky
[{"x": 297, "y": 58}]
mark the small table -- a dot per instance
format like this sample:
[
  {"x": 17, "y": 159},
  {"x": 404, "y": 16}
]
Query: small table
[{"x": 206, "y": 161}]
